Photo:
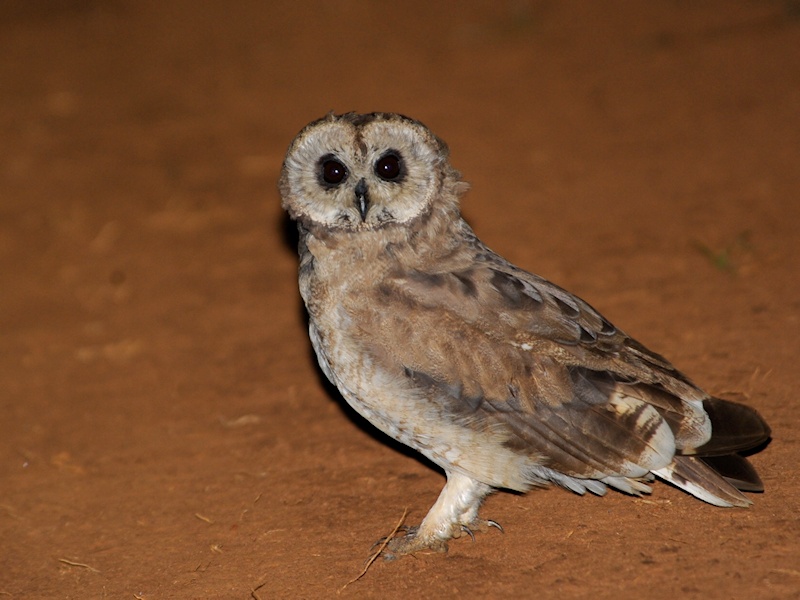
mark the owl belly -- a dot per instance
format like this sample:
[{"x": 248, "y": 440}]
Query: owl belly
[
  {"x": 364, "y": 385},
  {"x": 389, "y": 401}
]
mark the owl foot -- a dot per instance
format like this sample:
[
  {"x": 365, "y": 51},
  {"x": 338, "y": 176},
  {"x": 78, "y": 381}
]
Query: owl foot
[
  {"x": 412, "y": 541},
  {"x": 454, "y": 514}
]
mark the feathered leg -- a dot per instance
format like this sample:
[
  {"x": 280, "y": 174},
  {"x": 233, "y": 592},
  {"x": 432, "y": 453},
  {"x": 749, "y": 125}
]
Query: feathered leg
[{"x": 454, "y": 513}]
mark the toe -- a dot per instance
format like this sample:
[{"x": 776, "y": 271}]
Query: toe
[
  {"x": 483, "y": 525},
  {"x": 411, "y": 543}
]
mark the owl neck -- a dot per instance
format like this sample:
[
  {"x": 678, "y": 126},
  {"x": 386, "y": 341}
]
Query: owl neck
[{"x": 430, "y": 237}]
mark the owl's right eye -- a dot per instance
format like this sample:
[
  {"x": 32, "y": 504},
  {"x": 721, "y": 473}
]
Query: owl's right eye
[{"x": 333, "y": 172}]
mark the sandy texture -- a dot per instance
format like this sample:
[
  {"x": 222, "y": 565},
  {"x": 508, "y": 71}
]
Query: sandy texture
[{"x": 164, "y": 430}]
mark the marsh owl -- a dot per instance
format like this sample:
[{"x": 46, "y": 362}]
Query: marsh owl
[{"x": 498, "y": 376}]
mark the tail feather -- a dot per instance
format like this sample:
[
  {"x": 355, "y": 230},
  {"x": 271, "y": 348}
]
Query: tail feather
[
  {"x": 715, "y": 472},
  {"x": 737, "y": 471},
  {"x": 734, "y": 428},
  {"x": 693, "y": 475}
]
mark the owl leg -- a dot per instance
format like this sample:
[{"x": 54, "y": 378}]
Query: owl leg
[{"x": 455, "y": 512}]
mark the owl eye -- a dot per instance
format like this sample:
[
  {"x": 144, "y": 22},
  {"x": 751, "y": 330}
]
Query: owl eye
[
  {"x": 333, "y": 172},
  {"x": 389, "y": 167}
]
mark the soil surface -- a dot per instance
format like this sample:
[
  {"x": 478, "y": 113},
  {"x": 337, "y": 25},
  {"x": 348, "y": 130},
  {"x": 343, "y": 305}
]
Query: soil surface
[{"x": 165, "y": 432}]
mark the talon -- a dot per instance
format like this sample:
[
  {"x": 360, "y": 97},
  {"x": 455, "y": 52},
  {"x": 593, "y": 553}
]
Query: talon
[
  {"x": 468, "y": 531},
  {"x": 491, "y": 523}
]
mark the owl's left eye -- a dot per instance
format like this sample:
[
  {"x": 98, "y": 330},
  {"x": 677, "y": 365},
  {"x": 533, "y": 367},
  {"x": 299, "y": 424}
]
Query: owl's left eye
[{"x": 389, "y": 167}]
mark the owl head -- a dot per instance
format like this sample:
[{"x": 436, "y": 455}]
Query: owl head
[{"x": 357, "y": 172}]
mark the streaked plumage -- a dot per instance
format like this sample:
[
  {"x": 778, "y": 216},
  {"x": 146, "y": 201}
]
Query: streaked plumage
[{"x": 495, "y": 374}]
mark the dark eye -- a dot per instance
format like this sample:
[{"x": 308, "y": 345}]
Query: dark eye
[
  {"x": 333, "y": 172},
  {"x": 389, "y": 167}
]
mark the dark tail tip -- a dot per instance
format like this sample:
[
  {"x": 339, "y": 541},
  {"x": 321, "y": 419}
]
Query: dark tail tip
[
  {"x": 735, "y": 428},
  {"x": 737, "y": 471}
]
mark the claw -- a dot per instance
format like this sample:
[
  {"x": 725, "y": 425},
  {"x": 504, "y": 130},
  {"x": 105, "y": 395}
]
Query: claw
[
  {"x": 491, "y": 523},
  {"x": 468, "y": 531}
]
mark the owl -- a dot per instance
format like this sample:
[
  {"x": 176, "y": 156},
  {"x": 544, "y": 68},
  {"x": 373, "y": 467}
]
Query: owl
[{"x": 496, "y": 375}]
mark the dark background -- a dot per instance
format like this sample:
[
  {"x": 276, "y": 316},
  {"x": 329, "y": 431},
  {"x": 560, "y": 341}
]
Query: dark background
[{"x": 163, "y": 430}]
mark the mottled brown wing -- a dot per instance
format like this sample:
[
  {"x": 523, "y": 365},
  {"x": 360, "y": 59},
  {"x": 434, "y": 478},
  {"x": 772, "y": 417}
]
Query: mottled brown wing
[
  {"x": 485, "y": 292},
  {"x": 496, "y": 348},
  {"x": 540, "y": 310},
  {"x": 499, "y": 347}
]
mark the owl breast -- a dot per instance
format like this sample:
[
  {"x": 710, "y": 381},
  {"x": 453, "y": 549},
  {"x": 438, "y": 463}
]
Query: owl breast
[
  {"x": 346, "y": 322},
  {"x": 341, "y": 355}
]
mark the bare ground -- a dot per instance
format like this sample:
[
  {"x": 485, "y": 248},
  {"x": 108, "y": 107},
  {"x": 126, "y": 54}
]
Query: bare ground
[{"x": 164, "y": 431}]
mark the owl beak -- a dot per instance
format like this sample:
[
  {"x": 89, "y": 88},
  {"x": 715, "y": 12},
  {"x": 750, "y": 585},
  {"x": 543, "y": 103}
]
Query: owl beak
[{"x": 362, "y": 199}]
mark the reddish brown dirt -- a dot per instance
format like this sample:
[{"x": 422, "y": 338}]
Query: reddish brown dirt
[{"x": 164, "y": 431}]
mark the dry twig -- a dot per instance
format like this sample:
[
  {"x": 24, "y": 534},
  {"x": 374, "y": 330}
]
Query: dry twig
[
  {"x": 253, "y": 591},
  {"x": 72, "y": 563},
  {"x": 377, "y": 553}
]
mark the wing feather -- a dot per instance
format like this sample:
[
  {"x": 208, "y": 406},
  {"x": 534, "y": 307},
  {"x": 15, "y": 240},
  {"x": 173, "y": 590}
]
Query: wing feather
[{"x": 568, "y": 389}]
